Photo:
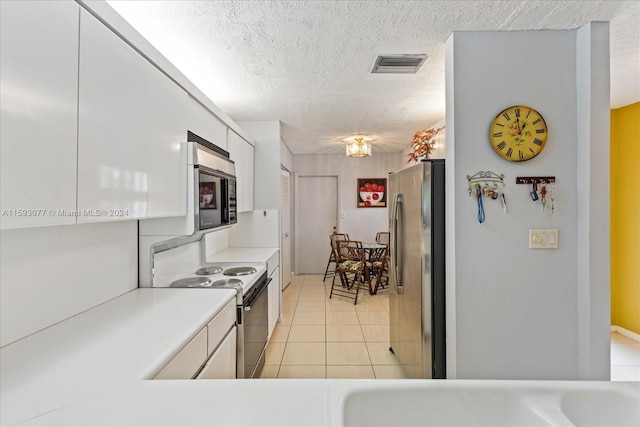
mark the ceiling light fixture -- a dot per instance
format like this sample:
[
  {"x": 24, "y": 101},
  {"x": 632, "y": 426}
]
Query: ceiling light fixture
[{"x": 358, "y": 148}]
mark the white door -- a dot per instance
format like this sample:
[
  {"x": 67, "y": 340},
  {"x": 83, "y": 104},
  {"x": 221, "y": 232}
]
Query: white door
[
  {"x": 285, "y": 227},
  {"x": 317, "y": 214}
]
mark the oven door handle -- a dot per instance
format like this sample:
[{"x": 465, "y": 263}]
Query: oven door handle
[{"x": 247, "y": 305}]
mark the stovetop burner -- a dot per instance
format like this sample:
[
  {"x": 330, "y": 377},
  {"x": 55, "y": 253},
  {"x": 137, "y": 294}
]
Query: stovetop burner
[
  {"x": 239, "y": 271},
  {"x": 205, "y": 271},
  {"x": 227, "y": 282},
  {"x": 191, "y": 282}
]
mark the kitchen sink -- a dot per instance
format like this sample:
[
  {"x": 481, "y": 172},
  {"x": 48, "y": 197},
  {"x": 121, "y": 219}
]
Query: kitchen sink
[
  {"x": 483, "y": 403},
  {"x": 438, "y": 407},
  {"x": 601, "y": 408}
]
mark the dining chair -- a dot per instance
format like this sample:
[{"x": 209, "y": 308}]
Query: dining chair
[
  {"x": 350, "y": 268},
  {"x": 382, "y": 237},
  {"x": 332, "y": 259},
  {"x": 378, "y": 271}
]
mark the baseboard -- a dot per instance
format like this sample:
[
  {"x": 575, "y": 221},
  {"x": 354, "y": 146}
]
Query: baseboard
[{"x": 627, "y": 333}]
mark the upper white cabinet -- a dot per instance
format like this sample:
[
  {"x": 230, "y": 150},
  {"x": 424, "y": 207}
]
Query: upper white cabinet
[
  {"x": 203, "y": 123},
  {"x": 38, "y": 91},
  {"x": 132, "y": 120},
  {"x": 241, "y": 152}
]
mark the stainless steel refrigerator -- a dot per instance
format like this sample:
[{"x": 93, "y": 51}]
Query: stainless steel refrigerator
[{"x": 417, "y": 269}]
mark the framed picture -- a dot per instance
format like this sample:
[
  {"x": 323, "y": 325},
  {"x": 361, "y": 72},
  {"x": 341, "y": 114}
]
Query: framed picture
[{"x": 372, "y": 192}]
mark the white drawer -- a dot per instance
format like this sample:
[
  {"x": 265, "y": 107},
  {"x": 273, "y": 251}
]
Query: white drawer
[
  {"x": 273, "y": 262},
  {"x": 222, "y": 364},
  {"x": 188, "y": 361},
  {"x": 218, "y": 327}
]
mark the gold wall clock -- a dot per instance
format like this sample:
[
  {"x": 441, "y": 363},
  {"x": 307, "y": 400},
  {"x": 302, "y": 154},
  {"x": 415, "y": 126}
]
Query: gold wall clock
[{"x": 518, "y": 133}]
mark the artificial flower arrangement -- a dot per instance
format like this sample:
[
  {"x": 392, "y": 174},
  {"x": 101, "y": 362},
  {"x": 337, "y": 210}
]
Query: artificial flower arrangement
[{"x": 423, "y": 144}]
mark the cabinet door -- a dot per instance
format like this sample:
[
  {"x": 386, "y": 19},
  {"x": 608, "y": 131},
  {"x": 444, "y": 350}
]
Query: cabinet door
[
  {"x": 274, "y": 300},
  {"x": 222, "y": 363},
  {"x": 241, "y": 152},
  {"x": 112, "y": 166},
  {"x": 131, "y": 122},
  {"x": 38, "y": 92},
  {"x": 248, "y": 173},
  {"x": 166, "y": 148},
  {"x": 205, "y": 124},
  {"x": 188, "y": 361}
]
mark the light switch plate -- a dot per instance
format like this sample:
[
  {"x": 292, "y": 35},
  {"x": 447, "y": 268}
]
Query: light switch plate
[{"x": 543, "y": 238}]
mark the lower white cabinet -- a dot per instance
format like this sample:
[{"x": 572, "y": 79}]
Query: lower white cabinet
[
  {"x": 218, "y": 339},
  {"x": 275, "y": 292},
  {"x": 222, "y": 363},
  {"x": 188, "y": 361}
]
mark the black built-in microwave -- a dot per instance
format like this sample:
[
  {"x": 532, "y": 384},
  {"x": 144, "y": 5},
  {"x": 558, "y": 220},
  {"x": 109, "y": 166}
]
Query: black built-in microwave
[{"x": 216, "y": 198}]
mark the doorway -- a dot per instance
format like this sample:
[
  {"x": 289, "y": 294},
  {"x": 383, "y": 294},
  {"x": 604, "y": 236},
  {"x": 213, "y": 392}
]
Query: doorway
[{"x": 316, "y": 219}]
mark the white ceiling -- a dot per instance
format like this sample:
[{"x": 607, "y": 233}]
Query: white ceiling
[{"x": 308, "y": 63}]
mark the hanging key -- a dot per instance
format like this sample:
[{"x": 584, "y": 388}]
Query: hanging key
[
  {"x": 534, "y": 193},
  {"x": 543, "y": 196}
]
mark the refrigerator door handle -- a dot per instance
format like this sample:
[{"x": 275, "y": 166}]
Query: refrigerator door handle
[{"x": 396, "y": 209}]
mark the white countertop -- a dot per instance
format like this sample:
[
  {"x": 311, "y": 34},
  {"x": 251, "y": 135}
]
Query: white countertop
[
  {"x": 128, "y": 338},
  {"x": 309, "y": 402},
  {"x": 201, "y": 402},
  {"x": 243, "y": 255}
]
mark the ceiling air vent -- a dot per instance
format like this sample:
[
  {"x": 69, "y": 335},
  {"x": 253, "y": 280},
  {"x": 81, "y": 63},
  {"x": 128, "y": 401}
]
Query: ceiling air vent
[{"x": 398, "y": 64}]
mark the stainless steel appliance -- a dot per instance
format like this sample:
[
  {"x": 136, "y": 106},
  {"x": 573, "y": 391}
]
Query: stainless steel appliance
[
  {"x": 214, "y": 184},
  {"x": 417, "y": 269},
  {"x": 250, "y": 282}
]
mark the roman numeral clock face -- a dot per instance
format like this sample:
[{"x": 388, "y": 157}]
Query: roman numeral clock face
[{"x": 518, "y": 133}]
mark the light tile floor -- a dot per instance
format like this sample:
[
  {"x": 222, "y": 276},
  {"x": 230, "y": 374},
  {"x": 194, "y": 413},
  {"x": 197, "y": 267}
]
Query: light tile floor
[
  {"x": 625, "y": 358},
  {"x": 330, "y": 338}
]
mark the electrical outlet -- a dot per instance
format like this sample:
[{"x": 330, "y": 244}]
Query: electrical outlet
[{"x": 543, "y": 238}]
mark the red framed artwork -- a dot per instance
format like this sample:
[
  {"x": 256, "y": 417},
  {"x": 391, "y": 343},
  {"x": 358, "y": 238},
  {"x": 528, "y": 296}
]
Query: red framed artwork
[{"x": 372, "y": 192}]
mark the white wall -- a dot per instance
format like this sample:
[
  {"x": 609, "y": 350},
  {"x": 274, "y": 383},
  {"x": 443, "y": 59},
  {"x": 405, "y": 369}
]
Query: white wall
[
  {"x": 513, "y": 311},
  {"x": 360, "y": 223},
  {"x": 52, "y": 273}
]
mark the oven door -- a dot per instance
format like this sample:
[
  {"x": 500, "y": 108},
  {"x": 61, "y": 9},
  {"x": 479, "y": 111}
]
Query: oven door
[
  {"x": 255, "y": 330},
  {"x": 211, "y": 199}
]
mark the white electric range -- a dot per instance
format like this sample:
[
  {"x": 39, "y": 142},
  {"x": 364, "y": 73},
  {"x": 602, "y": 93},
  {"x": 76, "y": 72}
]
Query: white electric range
[{"x": 216, "y": 275}]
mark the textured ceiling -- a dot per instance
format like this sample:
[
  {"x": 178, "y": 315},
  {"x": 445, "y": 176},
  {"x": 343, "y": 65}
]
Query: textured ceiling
[{"x": 308, "y": 63}]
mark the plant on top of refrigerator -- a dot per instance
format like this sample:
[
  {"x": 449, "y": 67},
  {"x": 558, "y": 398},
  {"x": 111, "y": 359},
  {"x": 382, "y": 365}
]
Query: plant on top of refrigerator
[{"x": 423, "y": 144}]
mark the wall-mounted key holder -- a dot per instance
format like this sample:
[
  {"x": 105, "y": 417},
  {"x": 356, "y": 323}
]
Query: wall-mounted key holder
[
  {"x": 486, "y": 184},
  {"x": 542, "y": 188}
]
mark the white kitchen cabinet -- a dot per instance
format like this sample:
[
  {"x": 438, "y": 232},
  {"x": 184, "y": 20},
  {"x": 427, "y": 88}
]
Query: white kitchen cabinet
[
  {"x": 188, "y": 361},
  {"x": 203, "y": 123},
  {"x": 38, "y": 91},
  {"x": 241, "y": 152},
  {"x": 131, "y": 123},
  {"x": 215, "y": 344},
  {"x": 222, "y": 363},
  {"x": 166, "y": 150},
  {"x": 275, "y": 292}
]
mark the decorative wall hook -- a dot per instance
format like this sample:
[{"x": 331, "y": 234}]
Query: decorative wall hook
[
  {"x": 547, "y": 189},
  {"x": 486, "y": 184}
]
